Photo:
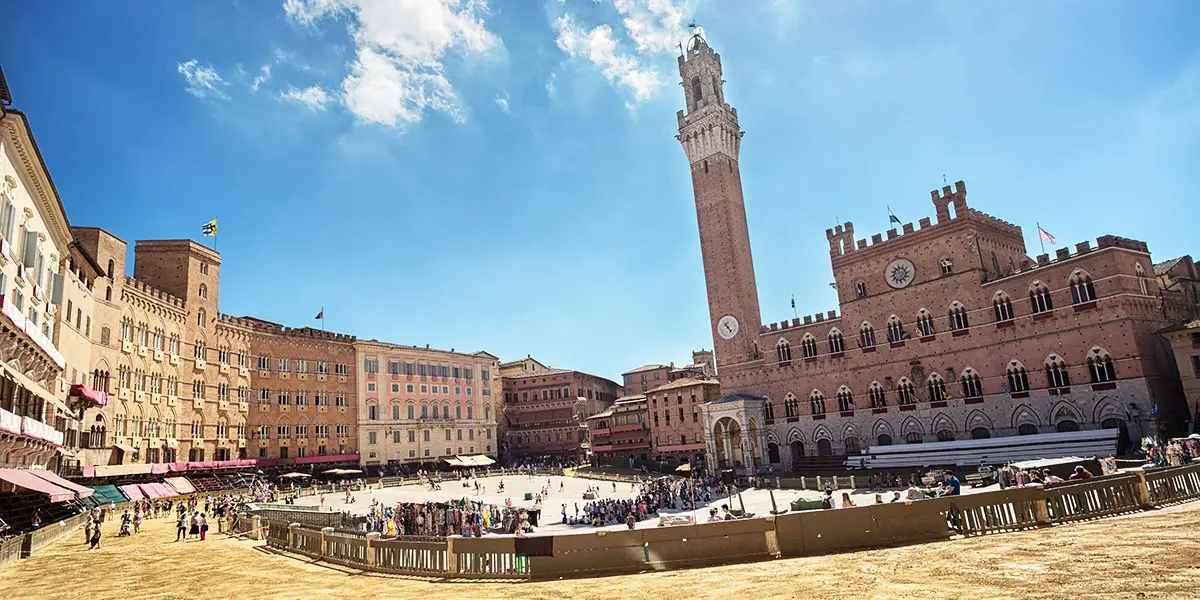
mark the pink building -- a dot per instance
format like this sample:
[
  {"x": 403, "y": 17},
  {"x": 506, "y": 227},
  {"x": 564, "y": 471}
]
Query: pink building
[
  {"x": 945, "y": 330},
  {"x": 545, "y": 412}
]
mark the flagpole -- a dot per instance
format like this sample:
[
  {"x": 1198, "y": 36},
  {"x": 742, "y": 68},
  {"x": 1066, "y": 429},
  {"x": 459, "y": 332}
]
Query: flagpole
[{"x": 1041, "y": 242}]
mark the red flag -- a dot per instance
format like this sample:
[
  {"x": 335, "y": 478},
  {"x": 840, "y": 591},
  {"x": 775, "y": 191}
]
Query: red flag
[{"x": 1045, "y": 235}]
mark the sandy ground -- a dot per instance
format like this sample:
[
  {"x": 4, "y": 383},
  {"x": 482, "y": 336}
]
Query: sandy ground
[
  {"x": 1148, "y": 555},
  {"x": 571, "y": 494}
]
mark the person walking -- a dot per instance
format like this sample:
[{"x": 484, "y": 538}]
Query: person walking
[
  {"x": 181, "y": 528},
  {"x": 203, "y": 527},
  {"x": 194, "y": 525},
  {"x": 95, "y": 538}
]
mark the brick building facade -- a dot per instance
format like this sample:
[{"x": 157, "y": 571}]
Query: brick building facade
[
  {"x": 545, "y": 412},
  {"x": 946, "y": 330},
  {"x": 676, "y": 419}
]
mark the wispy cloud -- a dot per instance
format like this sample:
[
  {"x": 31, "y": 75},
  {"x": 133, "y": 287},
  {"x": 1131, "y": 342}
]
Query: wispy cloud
[
  {"x": 551, "y": 89},
  {"x": 502, "y": 102},
  {"x": 398, "y": 73},
  {"x": 598, "y": 46},
  {"x": 264, "y": 73},
  {"x": 203, "y": 81},
  {"x": 312, "y": 97}
]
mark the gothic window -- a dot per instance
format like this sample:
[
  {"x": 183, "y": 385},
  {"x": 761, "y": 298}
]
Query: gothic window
[
  {"x": 1027, "y": 429},
  {"x": 937, "y": 388},
  {"x": 1002, "y": 306},
  {"x": 845, "y": 399},
  {"x": 912, "y": 437},
  {"x": 110, "y": 269},
  {"x": 958, "y": 316},
  {"x": 1018, "y": 378},
  {"x": 1100, "y": 366},
  {"x": 791, "y": 407},
  {"x": 971, "y": 384},
  {"x": 1082, "y": 289},
  {"x": 904, "y": 391},
  {"x": 697, "y": 90},
  {"x": 837, "y": 344},
  {"x": 1039, "y": 298},
  {"x": 200, "y": 318},
  {"x": 784, "y": 350},
  {"x": 817, "y": 400},
  {"x": 866, "y": 335},
  {"x": 861, "y": 289},
  {"x": 895, "y": 329},
  {"x": 769, "y": 411},
  {"x": 876, "y": 395},
  {"x": 852, "y": 446},
  {"x": 809, "y": 345},
  {"x": 1057, "y": 374},
  {"x": 925, "y": 323}
]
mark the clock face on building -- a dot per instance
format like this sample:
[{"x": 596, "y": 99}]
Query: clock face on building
[
  {"x": 727, "y": 327},
  {"x": 900, "y": 273}
]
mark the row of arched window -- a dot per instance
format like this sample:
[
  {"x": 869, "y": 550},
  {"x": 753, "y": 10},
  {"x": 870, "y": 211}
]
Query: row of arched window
[
  {"x": 1099, "y": 363},
  {"x": 957, "y": 318},
  {"x": 427, "y": 411}
]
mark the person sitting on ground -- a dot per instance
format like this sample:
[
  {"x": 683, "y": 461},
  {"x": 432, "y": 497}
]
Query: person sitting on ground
[
  {"x": 1081, "y": 473},
  {"x": 952, "y": 487}
]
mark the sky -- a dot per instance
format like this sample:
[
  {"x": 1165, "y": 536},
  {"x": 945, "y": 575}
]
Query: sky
[{"x": 503, "y": 175}]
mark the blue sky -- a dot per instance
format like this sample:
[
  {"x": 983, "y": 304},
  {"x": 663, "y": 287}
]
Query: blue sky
[{"x": 505, "y": 177}]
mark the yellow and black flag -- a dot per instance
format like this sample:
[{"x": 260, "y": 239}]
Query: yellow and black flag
[{"x": 209, "y": 228}]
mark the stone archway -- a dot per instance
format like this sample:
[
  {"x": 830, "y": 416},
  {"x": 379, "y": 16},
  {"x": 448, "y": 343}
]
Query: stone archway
[{"x": 727, "y": 435}]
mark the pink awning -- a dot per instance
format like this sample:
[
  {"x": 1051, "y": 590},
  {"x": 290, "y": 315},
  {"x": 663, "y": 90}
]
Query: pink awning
[
  {"x": 331, "y": 458},
  {"x": 82, "y": 490},
  {"x": 132, "y": 491},
  {"x": 82, "y": 391},
  {"x": 178, "y": 467},
  {"x": 89, "y": 471},
  {"x": 159, "y": 468},
  {"x": 25, "y": 479}
]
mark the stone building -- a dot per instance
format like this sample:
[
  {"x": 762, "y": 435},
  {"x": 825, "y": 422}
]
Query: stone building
[
  {"x": 1185, "y": 344},
  {"x": 422, "y": 405},
  {"x": 946, "y": 330},
  {"x": 676, "y": 421},
  {"x": 545, "y": 412},
  {"x": 644, "y": 378},
  {"x": 621, "y": 432},
  {"x": 36, "y": 277}
]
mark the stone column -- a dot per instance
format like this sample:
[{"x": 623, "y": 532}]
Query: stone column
[{"x": 371, "y": 537}]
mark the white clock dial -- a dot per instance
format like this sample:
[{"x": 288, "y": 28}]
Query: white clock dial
[
  {"x": 900, "y": 273},
  {"x": 727, "y": 327}
]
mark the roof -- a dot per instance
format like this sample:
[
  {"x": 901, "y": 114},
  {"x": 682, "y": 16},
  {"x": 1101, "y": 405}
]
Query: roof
[
  {"x": 630, "y": 399},
  {"x": 736, "y": 398},
  {"x": 607, "y": 413},
  {"x": 1164, "y": 267},
  {"x": 682, "y": 383},
  {"x": 1182, "y": 327},
  {"x": 645, "y": 368}
]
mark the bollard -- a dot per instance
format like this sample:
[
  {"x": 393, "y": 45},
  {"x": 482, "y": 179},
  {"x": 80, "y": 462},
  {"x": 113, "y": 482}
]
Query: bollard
[
  {"x": 292, "y": 535},
  {"x": 371, "y": 537},
  {"x": 325, "y": 531}
]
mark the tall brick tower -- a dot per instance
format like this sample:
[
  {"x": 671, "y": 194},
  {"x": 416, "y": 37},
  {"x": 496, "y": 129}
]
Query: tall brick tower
[{"x": 711, "y": 138}]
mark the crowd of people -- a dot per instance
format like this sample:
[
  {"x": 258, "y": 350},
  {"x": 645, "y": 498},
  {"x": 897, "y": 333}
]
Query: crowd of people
[{"x": 439, "y": 519}]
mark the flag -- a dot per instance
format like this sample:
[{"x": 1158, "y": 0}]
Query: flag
[
  {"x": 892, "y": 218},
  {"x": 1045, "y": 235},
  {"x": 793, "y": 302},
  {"x": 209, "y": 228},
  {"x": 320, "y": 315},
  {"x": 1004, "y": 387},
  {"x": 947, "y": 395}
]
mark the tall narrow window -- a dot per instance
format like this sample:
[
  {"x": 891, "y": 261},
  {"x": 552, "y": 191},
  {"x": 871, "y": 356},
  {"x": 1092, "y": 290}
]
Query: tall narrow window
[
  {"x": 958, "y": 317},
  {"x": 925, "y": 323},
  {"x": 1002, "y": 306},
  {"x": 809, "y": 346},
  {"x": 784, "y": 350},
  {"x": 1018, "y": 378},
  {"x": 845, "y": 399},
  {"x": 1057, "y": 375},
  {"x": 817, "y": 401},
  {"x": 895, "y": 329},
  {"x": 876, "y": 395},
  {"x": 971, "y": 384},
  {"x": 837, "y": 344},
  {"x": 1040, "y": 299},
  {"x": 1082, "y": 289},
  {"x": 866, "y": 335},
  {"x": 1100, "y": 366}
]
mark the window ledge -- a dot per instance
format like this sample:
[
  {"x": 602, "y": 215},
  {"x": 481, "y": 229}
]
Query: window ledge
[
  {"x": 810, "y": 359},
  {"x": 793, "y": 419},
  {"x": 879, "y": 411},
  {"x": 837, "y": 355},
  {"x": 973, "y": 400},
  {"x": 938, "y": 404},
  {"x": 1005, "y": 324},
  {"x": 1016, "y": 395},
  {"x": 960, "y": 332},
  {"x": 905, "y": 407},
  {"x": 1046, "y": 314},
  {"x": 869, "y": 349},
  {"x": 847, "y": 413},
  {"x": 899, "y": 344},
  {"x": 1082, "y": 306},
  {"x": 1108, "y": 385},
  {"x": 928, "y": 338},
  {"x": 820, "y": 417},
  {"x": 785, "y": 363}
]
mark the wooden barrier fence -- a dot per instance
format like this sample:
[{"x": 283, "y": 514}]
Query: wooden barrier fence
[{"x": 1172, "y": 485}]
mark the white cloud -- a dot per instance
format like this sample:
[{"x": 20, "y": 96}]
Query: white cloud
[
  {"x": 502, "y": 102},
  {"x": 203, "y": 82},
  {"x": 599, "y": 47},
  {"x": 312, "y": 97},
  {"x": 398, "y": 72},
  {"x": 264, "y": 74},
  {"x": 653, "y": 25},
  {"x": 551, "y": 90}
]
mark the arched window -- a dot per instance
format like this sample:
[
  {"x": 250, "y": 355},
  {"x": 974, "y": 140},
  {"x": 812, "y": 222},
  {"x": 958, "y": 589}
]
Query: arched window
[
  {"x": 768, "y": 410},
  {"x": 108, "y": 293},
  {"x": 937, "y": 388},
  {"x": 1040, "y": 299},
  {"x": 824, "y": 447},
  {"x": 912, "y": 437},
  {"x": 845, "y": 399},
  {"x": 697, "y": 90},
  {"x": 783, "y": 350},
  {"x": 1082, "y": 289},
  {"x": 809, "y": 345},
  {"x": 876, "y": 395},
  {"x": 817, "y": 400},
  {"x": 1002, "y": 307},
  {"x": 980, "y": 433},
  {"x": 837, "y": 344},
  {"x": 972, "y": 386},
  {"x": 1018, "y": 379},
  {"x": 1027, "y": 429},
  {"x": 945, "y": 435},
  {"x": 866, "y": 335},
  {"x": 1057, "y": 375},
  {"x": 791, "y": 407},
  {"x": 925, "y": 323},
  {"x": 1100, "y": 365},
  {"x": 203, "y": 291},
  {"x": 904, "y": 391},
  {"x": 884, "y": 440},
  {"x": 1141, "y": 277},
  {"x": 895, "y": 329},
  {"x": 111, "y": 266},
  {"x": 201, "y": 318},
  {"x": 958, "y": 316},
  {"x": 1064, "y": 426}
]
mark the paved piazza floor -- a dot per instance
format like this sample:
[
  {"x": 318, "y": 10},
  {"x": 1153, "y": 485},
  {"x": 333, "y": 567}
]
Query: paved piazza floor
[
  {"x": 756, "y": 501},
  {"x": 1149, "y": 555}
]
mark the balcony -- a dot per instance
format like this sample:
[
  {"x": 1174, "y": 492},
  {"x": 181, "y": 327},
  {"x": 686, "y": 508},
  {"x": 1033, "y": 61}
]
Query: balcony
[
  {"x": 30, "y": 428},
  {"x": 31, "y": 331}
]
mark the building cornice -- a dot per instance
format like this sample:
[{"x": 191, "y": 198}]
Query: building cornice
[{"x": 17, "y": 132}]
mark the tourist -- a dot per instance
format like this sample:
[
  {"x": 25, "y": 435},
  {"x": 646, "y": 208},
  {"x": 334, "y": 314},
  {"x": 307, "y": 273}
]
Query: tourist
[
  {"x": 712, "y": 515},
  {"x": 194, "y": 525},
  {"x": 914, "y": 492},
  {"x": 137, "y": 522},
  {"x": 827, "y": 499},
  {"x": 725, "y": 512},
  {"x": 203, "y": 527},
  {"x": 630, "y": 521},
  {"x": 181, "y": 528},
  {"x": 896, "y": 497},
  {"x": 846, "y": 501},
  {"x": 95, "y": 538},
  {"x": 952, "y": 486},
  {"x": 1049, "y": 477},
  {"x": 1081, "y": 473},
  {"x": 87, "y": 529},
  {"x": 878, "y": 498}
]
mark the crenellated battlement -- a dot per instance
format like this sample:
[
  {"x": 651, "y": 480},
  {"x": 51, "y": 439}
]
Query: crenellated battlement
[
  {"x": 267, "y": 327},
  {"x": 154, "y": 292},
  {"x": 1080, "y": 249},
  {"x": 800, "y": 322}
]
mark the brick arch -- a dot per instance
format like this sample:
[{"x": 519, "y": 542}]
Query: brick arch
[
  {"x": 1065, "y": 411},
  {"x": 882, "y": 427},
  {"x": 795, "y": 435},
  {"x": 822, "y": 433},
  {"x": 1025, "y": 414},
  {"x": 943, "y": 422},
  {"x": 977, "y": 418}
]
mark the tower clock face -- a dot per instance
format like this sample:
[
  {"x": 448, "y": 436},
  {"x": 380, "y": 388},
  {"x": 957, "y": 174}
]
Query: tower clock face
[
  {"x": 900, "y": 273},
  {"x": 727, "y": 327}
]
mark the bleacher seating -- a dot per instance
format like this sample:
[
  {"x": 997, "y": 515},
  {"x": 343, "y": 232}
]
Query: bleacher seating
[
  {"x": 18, "y": 509},
  {"x": 206, "y": 483},
  {"x": 234, "y": 481}
]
